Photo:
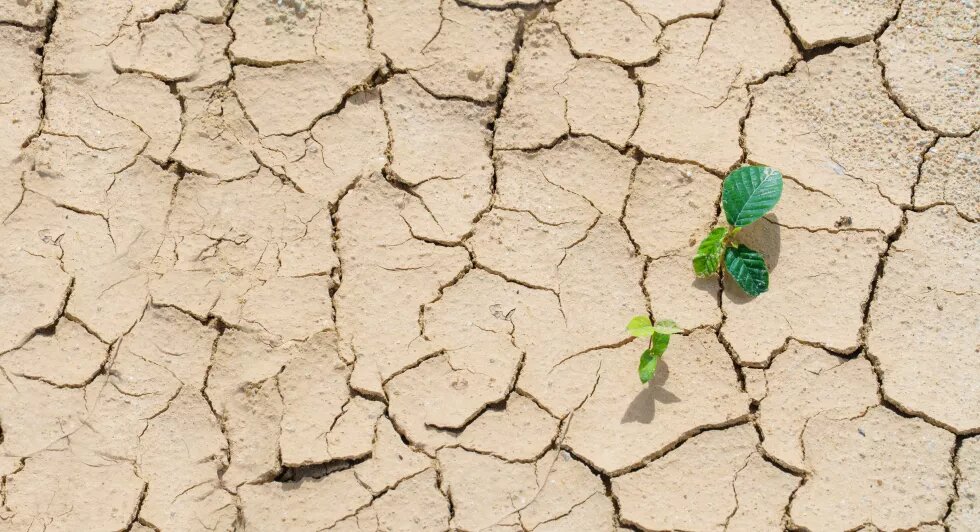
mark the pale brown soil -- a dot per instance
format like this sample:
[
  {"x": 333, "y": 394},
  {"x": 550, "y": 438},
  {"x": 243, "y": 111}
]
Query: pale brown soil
[{"x": 365, "y": 265}]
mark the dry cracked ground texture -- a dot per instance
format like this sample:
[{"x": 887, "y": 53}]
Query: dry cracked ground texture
[{"x": 365, "y": 265}]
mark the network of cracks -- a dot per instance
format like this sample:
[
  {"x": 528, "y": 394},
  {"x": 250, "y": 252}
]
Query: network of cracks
[{"x": 365, "y": 265}]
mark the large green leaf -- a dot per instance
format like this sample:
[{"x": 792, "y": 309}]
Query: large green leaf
[
  {"x": 749, "y": 193},
  {"x": 648, "y": 365},
  {"x": 748, "y": 268},
  {"x": 708, "y": 257},
  {"x": 640, "y": 327}
]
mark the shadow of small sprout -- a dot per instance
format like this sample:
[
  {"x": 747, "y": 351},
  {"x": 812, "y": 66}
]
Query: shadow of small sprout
[{"x": 643, "y": 407}]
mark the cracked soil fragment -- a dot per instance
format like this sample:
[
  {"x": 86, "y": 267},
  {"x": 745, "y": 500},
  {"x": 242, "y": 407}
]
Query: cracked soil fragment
[
  {"x": 673, "y": 197},
  {"x": 475, "y": 368},
  {"x": 831, "y": 128},
  {"x": 834, "y": 312},
  {"x": 965, "y": 511},
  {"x": 694, "y": 97},
  {"x": 714, "y": 481},
  {"x": 391, "y": 460},
  {"x": 491, "y": 494},
  {"x": 217, "y": 137},
  {"x": 450, "y": 49},
  {"x": 32, "y": 295},
  {"x": 388, "y": 276},
  {"x": 247, "y": 249},
  {"x": 19, "y": 89},
  {"x": 150, "y": 47},
  {"x": 36, "y": 416},
  {"x": 880, "y": 468},
  {"x": 926, "y": 297},
  {"x": 342, "y": 147},
  {"x": 547, "y": 203},
  {"x": 533, "y": 114},
  {"x": 271, "y": 33},
  {"x": 441, "y": 149},
  {"x": 520, "y": 431},
  {"x": 70, "y": 356},
  {"x": 670, "y": 11},
  {"x": 95, "y": 131},
  {"x": 181, "y": 454},
  {"x": 418, "y": 157},
  {"x": 691, "y": 303},
  {"x": 612, "y": 118},
  {"x": 821, "y": 22},
  {"x": 287, "y": 99},
  {"x": 30, "y": 13},
  {"x": 414, "y": 504},
  {"x": 624, "y": 421},
  {"x": 109, "y": 265},
  {"x": 930, "y": 58},
  {"x": 951, "y": 175},
  {"x": 570, "y": 183},
  {"x": 804, "y": 382},
  {"x": 55, "y": 489},
  {"x": 609, "y": 28},
  {"x": 315, "y": 380},
  {"x": 300, "y": 505},
  {"x": 251, "y": 419},
  {"x": 291, "y": 406},
  {"x": 245, "y": 396}
]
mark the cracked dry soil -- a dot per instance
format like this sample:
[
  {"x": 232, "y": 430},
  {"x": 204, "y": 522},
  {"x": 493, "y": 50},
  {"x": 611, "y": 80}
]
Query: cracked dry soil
[{"x": 365, "y": 265}]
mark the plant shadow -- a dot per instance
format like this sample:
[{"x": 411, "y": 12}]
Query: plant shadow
[
  {"x": 643, "y": 407},
  {"x": 764, "y": 237},
  {"x": 708, "y": 285}
]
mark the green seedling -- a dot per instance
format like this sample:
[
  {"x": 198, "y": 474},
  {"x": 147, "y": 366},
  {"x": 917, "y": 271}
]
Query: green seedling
[
  {"x": 747, "y": 195},
  {"x": 659, "y": 336}
]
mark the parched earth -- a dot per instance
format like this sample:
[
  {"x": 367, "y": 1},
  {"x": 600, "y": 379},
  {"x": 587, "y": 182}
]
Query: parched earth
[{"x": 365, "y": 265}]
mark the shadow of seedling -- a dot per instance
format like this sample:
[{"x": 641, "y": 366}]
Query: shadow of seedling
[
  {"x": 643, "y": 407},
  {"x": 764, "y": 237},
  {"x": 708, "y": 285}
]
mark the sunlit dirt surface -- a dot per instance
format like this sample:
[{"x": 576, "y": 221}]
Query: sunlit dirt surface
[{"x": 365, "y": 265}]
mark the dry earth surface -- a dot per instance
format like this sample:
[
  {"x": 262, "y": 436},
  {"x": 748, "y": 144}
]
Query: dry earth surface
[{"x": 365, "y": 265}]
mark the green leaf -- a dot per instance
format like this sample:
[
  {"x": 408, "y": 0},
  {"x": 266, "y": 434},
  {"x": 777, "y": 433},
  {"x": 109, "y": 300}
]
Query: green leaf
[
  {"x": 651, "y": 356},
  {"x": 708, "y": 257},
  {"x": 640, "y": 327},
  {"x": 667, "y": 327},
  {"x": 748, "y": 268},
  {"x": 659, "y": 343},
  {"x": 749, "y": 193},
  {"x": 648, "y": 365}
]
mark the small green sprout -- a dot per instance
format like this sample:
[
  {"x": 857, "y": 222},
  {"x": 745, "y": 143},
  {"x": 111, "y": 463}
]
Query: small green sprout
[
  {"x": 747, "y": 195},
  {"x": 659, "y": 336}
]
